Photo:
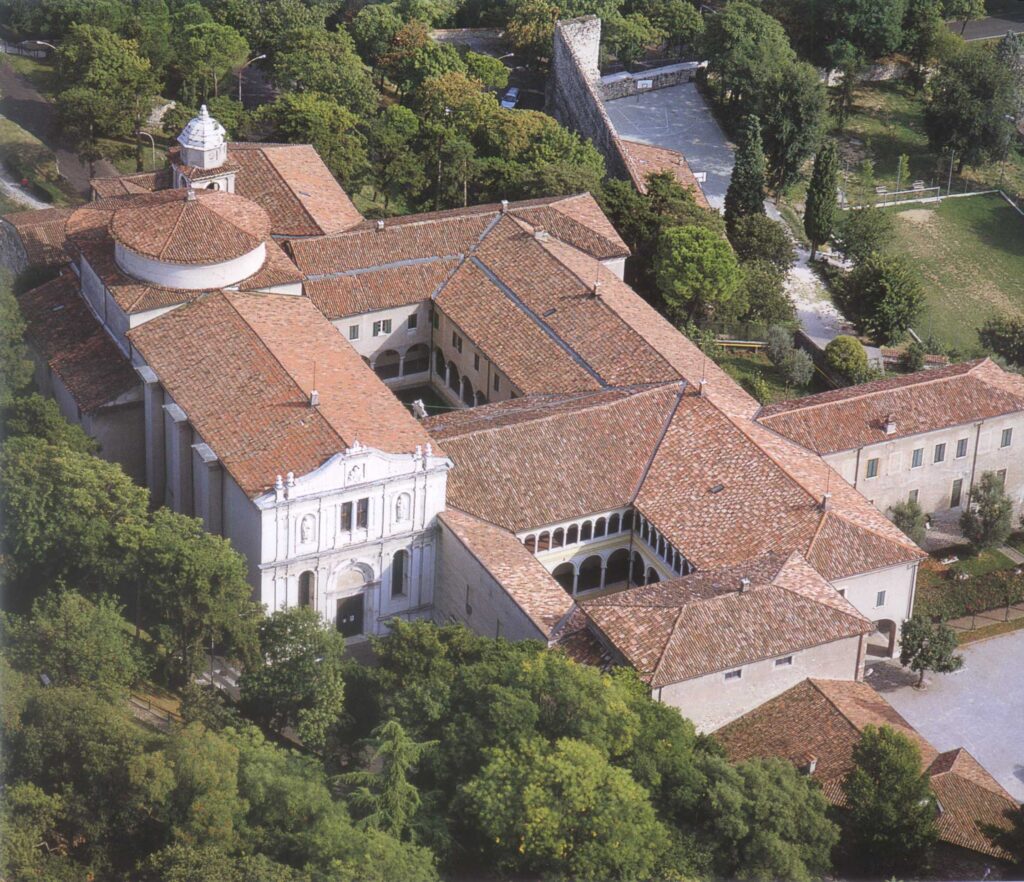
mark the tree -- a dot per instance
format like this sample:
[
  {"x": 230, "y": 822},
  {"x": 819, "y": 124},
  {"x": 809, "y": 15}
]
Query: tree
[
  {"x": 779, "y": 341},
  {"x": 531, "y": 29},
  {"x": 988, "y": 519},
  {"x": 965, "y": 11},
  {"x": 696, "y": 271},
  {"x": 75, "y": 642},
  {"x": 15, "y": 363},
  {"x": 415, "y": 57},
  {"x": 883, "y": 294},
  {"x": 68, "y": 517},
  {"x": 562, "y": 812},
  {"x": 926, "y": 39},
  {"x": 848, "y": 61},
  {"x": 151, "y": 29},
  {"x": 909, "y": 517},
  {"x": 765, "y": 294},
  {"x": 745, "y": 196},
  {"x": 487, "y": 69},
  {"x": 767, "y": 821},
  {"x": 387, "y": 797},
  {"x": 326, "y": 62},
  {"x": 862, "y": 232},
  {"x": 398, "y": 171},
  {"x": 891, "y": 808},
  {"x": 1004, "y": 335},
  {"x": 928, "y": 647},
  {"x": 914, "y": 357},
  {"x": 971, "y": 97},
  {"x": 628, "y": 37},
  {"x": 193, "y": 593},
  {"x": 33, "y": 847},
  {"x": 797, "y": 367},
  {"x": 847, "y": 357},
  {"x": 820, "y": 212},
  {"x": 204, "y": 54},
  {"x": 299, "y": 682},
  {"x": 373, "y": 29},
  {"x": 757, "y": 238},
  {"x": 39, "y": 417},
  {"x": 1010, "y": 52},
  {"x": 682, "y": 24},
  {"x": 873, "y": 27},
  {"x": 311, "y": 118}
]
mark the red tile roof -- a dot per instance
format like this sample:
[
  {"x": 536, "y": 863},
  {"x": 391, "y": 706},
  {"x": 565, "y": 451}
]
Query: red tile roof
[
  {"x": 824, "y": 719},
  {"x": 242, "y": 367},
  {"x": 845, "y": 419},
  {"x": 66, "y": 335},
  {"x": 703, "y": 623},
  {"x": 647, "y": 159},
  {"x": 128, "y": 185},
  {"x": 358, "y": 292},
  {"x": 518, "y": 572},
  {"x": 190, "y": 226},
  {"x": 41, "y": 233}
]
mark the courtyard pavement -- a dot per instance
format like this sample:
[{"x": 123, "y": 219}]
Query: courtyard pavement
[
  {"x": 677, "y": 117},
  {"x": 980, "y": 707}
]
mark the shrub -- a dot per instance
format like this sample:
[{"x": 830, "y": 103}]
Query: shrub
[
  {"x": 913, "y": 358},
  {"x": 796, "y": 366},
  {"x": 780, "y": 342},
  {"x": 909, "y": 517},
  {"x": 847, "y": 357}
]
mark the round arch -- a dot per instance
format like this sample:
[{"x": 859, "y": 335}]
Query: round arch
[
  {"x": 565, "y": 575},
  {"x": 617, "y": 567},
  {"x": 590, "y": 574},
  {"x": 468, "y": 397},
  {"x": 454, "y": 378},
  {"x": 387, "y": 364},
  {"x": 417, "y": 359}
]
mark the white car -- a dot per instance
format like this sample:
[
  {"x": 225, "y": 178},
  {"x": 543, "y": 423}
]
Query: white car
[{"x": 511, "y": 98}]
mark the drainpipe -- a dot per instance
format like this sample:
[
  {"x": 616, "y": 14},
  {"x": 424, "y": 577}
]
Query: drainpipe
[
  {"x": 974, "y": 463},
  {"x": 856, "y": 473}
]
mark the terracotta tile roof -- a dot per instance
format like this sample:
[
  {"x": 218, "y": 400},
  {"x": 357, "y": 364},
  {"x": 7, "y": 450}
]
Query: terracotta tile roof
[
  {"x": 242, "y": 366},
  {"x": 824, "y": 719},
  {"x": 358, "y": 292},
  {"x": 277, "y": 269},
  {"x": 66, "y": 335},
  {"x": 518, "y": 572},
  {"x": 295, "y": 188},
  {"x": 702, "y": 623},
  {"x": 646, "y": 159},
  {"x": 41, "y": 233},
  {"x": 128, "y": 185},
  {"x": 191, "y": 226},
  {"x": 509, "y": 337},
  {"x": 574, "y": 637},
  {"x": 844, "y": 419},
  {"x": 528, "y": 470}
]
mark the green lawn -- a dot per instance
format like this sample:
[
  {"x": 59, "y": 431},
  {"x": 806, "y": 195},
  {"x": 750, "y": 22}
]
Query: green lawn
[
  {"x": 755, "y": 373},
  {"x": 121, "y": 152},
  {"x": 981, "y": 564},
  {"x": 969, "y": 254},
  {"x": 25, "y": 156},
  {"x": 40, "y": 72}
]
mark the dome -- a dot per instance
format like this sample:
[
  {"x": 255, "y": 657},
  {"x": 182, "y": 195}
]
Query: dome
[
  {"x": 202, "y": 132},
  {"x": 186, "y": 238}
]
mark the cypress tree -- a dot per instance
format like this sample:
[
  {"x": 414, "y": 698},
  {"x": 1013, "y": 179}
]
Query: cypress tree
[
  {"x": 745, "y": 195},
  {"x": 820, "y": 213}
]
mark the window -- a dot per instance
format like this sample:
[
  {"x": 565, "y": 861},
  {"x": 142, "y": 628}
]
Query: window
[
  {"x": 873, "y": 468},
  {"x": 918, "y": 459},
  {"x": 346, "y": 516},
  {"x": 734, "y": 675},
  {"x": 940, "y": 453},
  {"x": 398, "y": 569},
  {"x": 954, "y": 496},
  {"x": 880, "y": 599},
  {"x": 1007, "y": 438},
  {"x": 306, "y": 589},
  {"x": 476, "y": 361},
  {"x": 961, "y": 448},
  {"x": 456, "y": 341},
  {"x": 382, "y": 327},
  {"x": 412, "y": 322},
  {"x": 912, "y": 496},
  {"x": 363, "y": 514},
  {"x": 785, "y": 662},
  {"x": 1001, "y": 475},
  {"x": 497, "y": 383},
  {"x": 353, "y": 332}
]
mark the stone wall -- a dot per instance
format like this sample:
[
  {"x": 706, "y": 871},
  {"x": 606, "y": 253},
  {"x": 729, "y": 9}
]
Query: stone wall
[
  {"x": 12, "y": 252},
  {"x": 574, "y": 89},
  {"x": 623, "y": 85}
]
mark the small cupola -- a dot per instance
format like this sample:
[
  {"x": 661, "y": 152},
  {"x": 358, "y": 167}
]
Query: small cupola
[{"x": 203, "y": 142}]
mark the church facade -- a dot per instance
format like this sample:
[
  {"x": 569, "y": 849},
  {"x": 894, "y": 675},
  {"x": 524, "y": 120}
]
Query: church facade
[{"x": 573, "y": 469}]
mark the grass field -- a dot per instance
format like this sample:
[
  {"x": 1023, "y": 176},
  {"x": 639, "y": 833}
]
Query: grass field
[
  {"x": 25, "y": 156},
  {"x": 755, "y": 373},
  {"x": 969, "y": 254}
]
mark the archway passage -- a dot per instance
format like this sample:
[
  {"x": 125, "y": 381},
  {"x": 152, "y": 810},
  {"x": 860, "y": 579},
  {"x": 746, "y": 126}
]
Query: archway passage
[
  {"x": 387, "y": 364},
  {"x": 417, "y": 359},
  {"x": 439, "y": 362},
  {"x": 590, "y": 574},
  {"x": 453, "y": 377},
  {"x": 882, "y": 641},
  {"x": 350, "y": 606},
  {"x": 467, "y": 392},
  {"x": 565, "y": 575},
  {"x": 652, "y": 576},
  {"x": 617, "y": 568},
  {"x": 636, "y": 576}
]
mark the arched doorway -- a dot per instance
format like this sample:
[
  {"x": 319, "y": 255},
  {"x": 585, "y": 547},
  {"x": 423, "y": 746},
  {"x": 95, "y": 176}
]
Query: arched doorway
[
  {"x": 565, "y": 575},
  {"x": 617, "y": 568},
  {"x": 453, "y": 377},
  {"x": 882, "y": 641},
  {"x": 590, "y": 574},
  {"x": 350, "y": 601},
  {"x": 307, "y": 582},
  {"x": 417, "y": 359},
  {"x": 467, "y": 392},
  {"x": 386, "y": 365},
  {"x": 636, "y": 575},
  {"x": 652, "y": 576},
  {"x": 480, "y": 398}
]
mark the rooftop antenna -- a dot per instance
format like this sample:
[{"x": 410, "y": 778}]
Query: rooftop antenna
[{"x": 703, "y": 374}]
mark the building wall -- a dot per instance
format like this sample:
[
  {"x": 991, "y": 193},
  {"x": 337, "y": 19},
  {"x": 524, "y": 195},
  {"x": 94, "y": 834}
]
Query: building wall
[
  {"x": 401, "y": 339},
  {"x": 12, "y": 252},
  {"x": 712, "y": 701},
  {"x": 898, "y": 583},
  {"x": 467, "y": 593},
  {"x": 625, "y": 84},
  {"x": 481, "y": 379},
  {"x": 934, "y": 481}
]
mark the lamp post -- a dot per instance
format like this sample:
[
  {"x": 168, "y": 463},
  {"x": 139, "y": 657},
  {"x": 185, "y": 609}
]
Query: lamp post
[
  {"x": 242, "y": 68},
  {"x": 152, "y": 144},
  {"x": 39, "y": 43}
]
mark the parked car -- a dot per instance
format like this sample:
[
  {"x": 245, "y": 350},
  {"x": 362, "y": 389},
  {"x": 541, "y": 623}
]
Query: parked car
[{"x": 511, "y": 98}]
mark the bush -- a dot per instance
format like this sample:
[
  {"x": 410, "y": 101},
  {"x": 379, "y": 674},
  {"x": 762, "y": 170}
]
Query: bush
[
  {"x": 780, "y": 343},
  {"x": 796, "y": 366},
  {"x": 952, "y": 596},
  {"x": 909, "y": 517},
  {"x": 847, "y": 357},
  {"x": 913, "y": 358}
]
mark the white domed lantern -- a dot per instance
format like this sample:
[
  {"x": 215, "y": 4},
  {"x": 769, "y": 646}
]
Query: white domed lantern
[{"x": 203, "y": 142}]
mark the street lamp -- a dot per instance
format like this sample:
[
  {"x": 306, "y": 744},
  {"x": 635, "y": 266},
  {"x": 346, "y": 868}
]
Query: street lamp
[
  {"x": 152, "y": 144},
  {"x": 242, "y": 68},
  {"x": 39, "y": 43}
]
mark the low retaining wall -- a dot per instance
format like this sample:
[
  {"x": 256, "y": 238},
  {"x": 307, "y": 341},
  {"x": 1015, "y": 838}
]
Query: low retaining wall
[{"x": 623, "y": 85}]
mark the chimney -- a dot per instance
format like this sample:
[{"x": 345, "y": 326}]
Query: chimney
[
  {"x": 540, "y": 235},
  {"x": 596, "y": 290},
  {"x": 809, "y": 763},
  {"x": 700, "y": 386},
  {"x": 826, "y": 501},
  {"x": 380, "y": 225},
  {"x": 504, "y": 205},
  {"x": 744, "y": 585},
  {"x": 190, "y": 194},
  {"x": 890, "y": 424},
  {"x": 314, "y": 398}
]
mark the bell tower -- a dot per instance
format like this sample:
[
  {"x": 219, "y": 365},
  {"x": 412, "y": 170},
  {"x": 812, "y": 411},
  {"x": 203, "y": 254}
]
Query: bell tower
[{"x": 202, "y": 158}]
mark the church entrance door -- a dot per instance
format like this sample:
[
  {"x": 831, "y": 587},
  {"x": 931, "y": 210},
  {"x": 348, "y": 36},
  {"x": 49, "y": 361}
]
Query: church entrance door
[{"x": 350, "y": 615}]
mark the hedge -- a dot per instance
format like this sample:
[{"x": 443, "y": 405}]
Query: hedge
[{"x": 948, "y": 597}]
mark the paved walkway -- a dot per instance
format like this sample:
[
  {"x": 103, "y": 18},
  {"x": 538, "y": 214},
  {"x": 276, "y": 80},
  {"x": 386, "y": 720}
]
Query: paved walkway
[
  {"x": 993, "y": 26},
  {"x": 1012, "y": 553},
  {"x": 17, "y": 193},
  {"x": 24, "y": 104}
]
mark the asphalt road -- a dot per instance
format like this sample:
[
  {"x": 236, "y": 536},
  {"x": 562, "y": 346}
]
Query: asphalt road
[{"x": 993, "y": 26}]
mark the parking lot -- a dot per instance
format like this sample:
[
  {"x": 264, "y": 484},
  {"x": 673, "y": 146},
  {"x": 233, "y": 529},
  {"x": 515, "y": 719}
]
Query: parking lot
[
  {"x": 980, "y": 707},
  {"x": 677, "y": 117}
]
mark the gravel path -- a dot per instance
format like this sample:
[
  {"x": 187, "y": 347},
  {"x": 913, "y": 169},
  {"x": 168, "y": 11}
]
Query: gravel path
[{"x": 14, "y": 190}]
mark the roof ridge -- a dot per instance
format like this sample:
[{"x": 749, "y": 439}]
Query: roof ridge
[
  {"x": 170, "y": 234},
  {"x": 668, "y": 640},
  {"x": 661, "y": 438},
  {"x": 261, "y": 149},
  {"x": 814, "y": 681}
]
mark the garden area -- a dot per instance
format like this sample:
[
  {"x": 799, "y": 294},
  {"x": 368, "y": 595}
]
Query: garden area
[{"x": 766, "y": 381}]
